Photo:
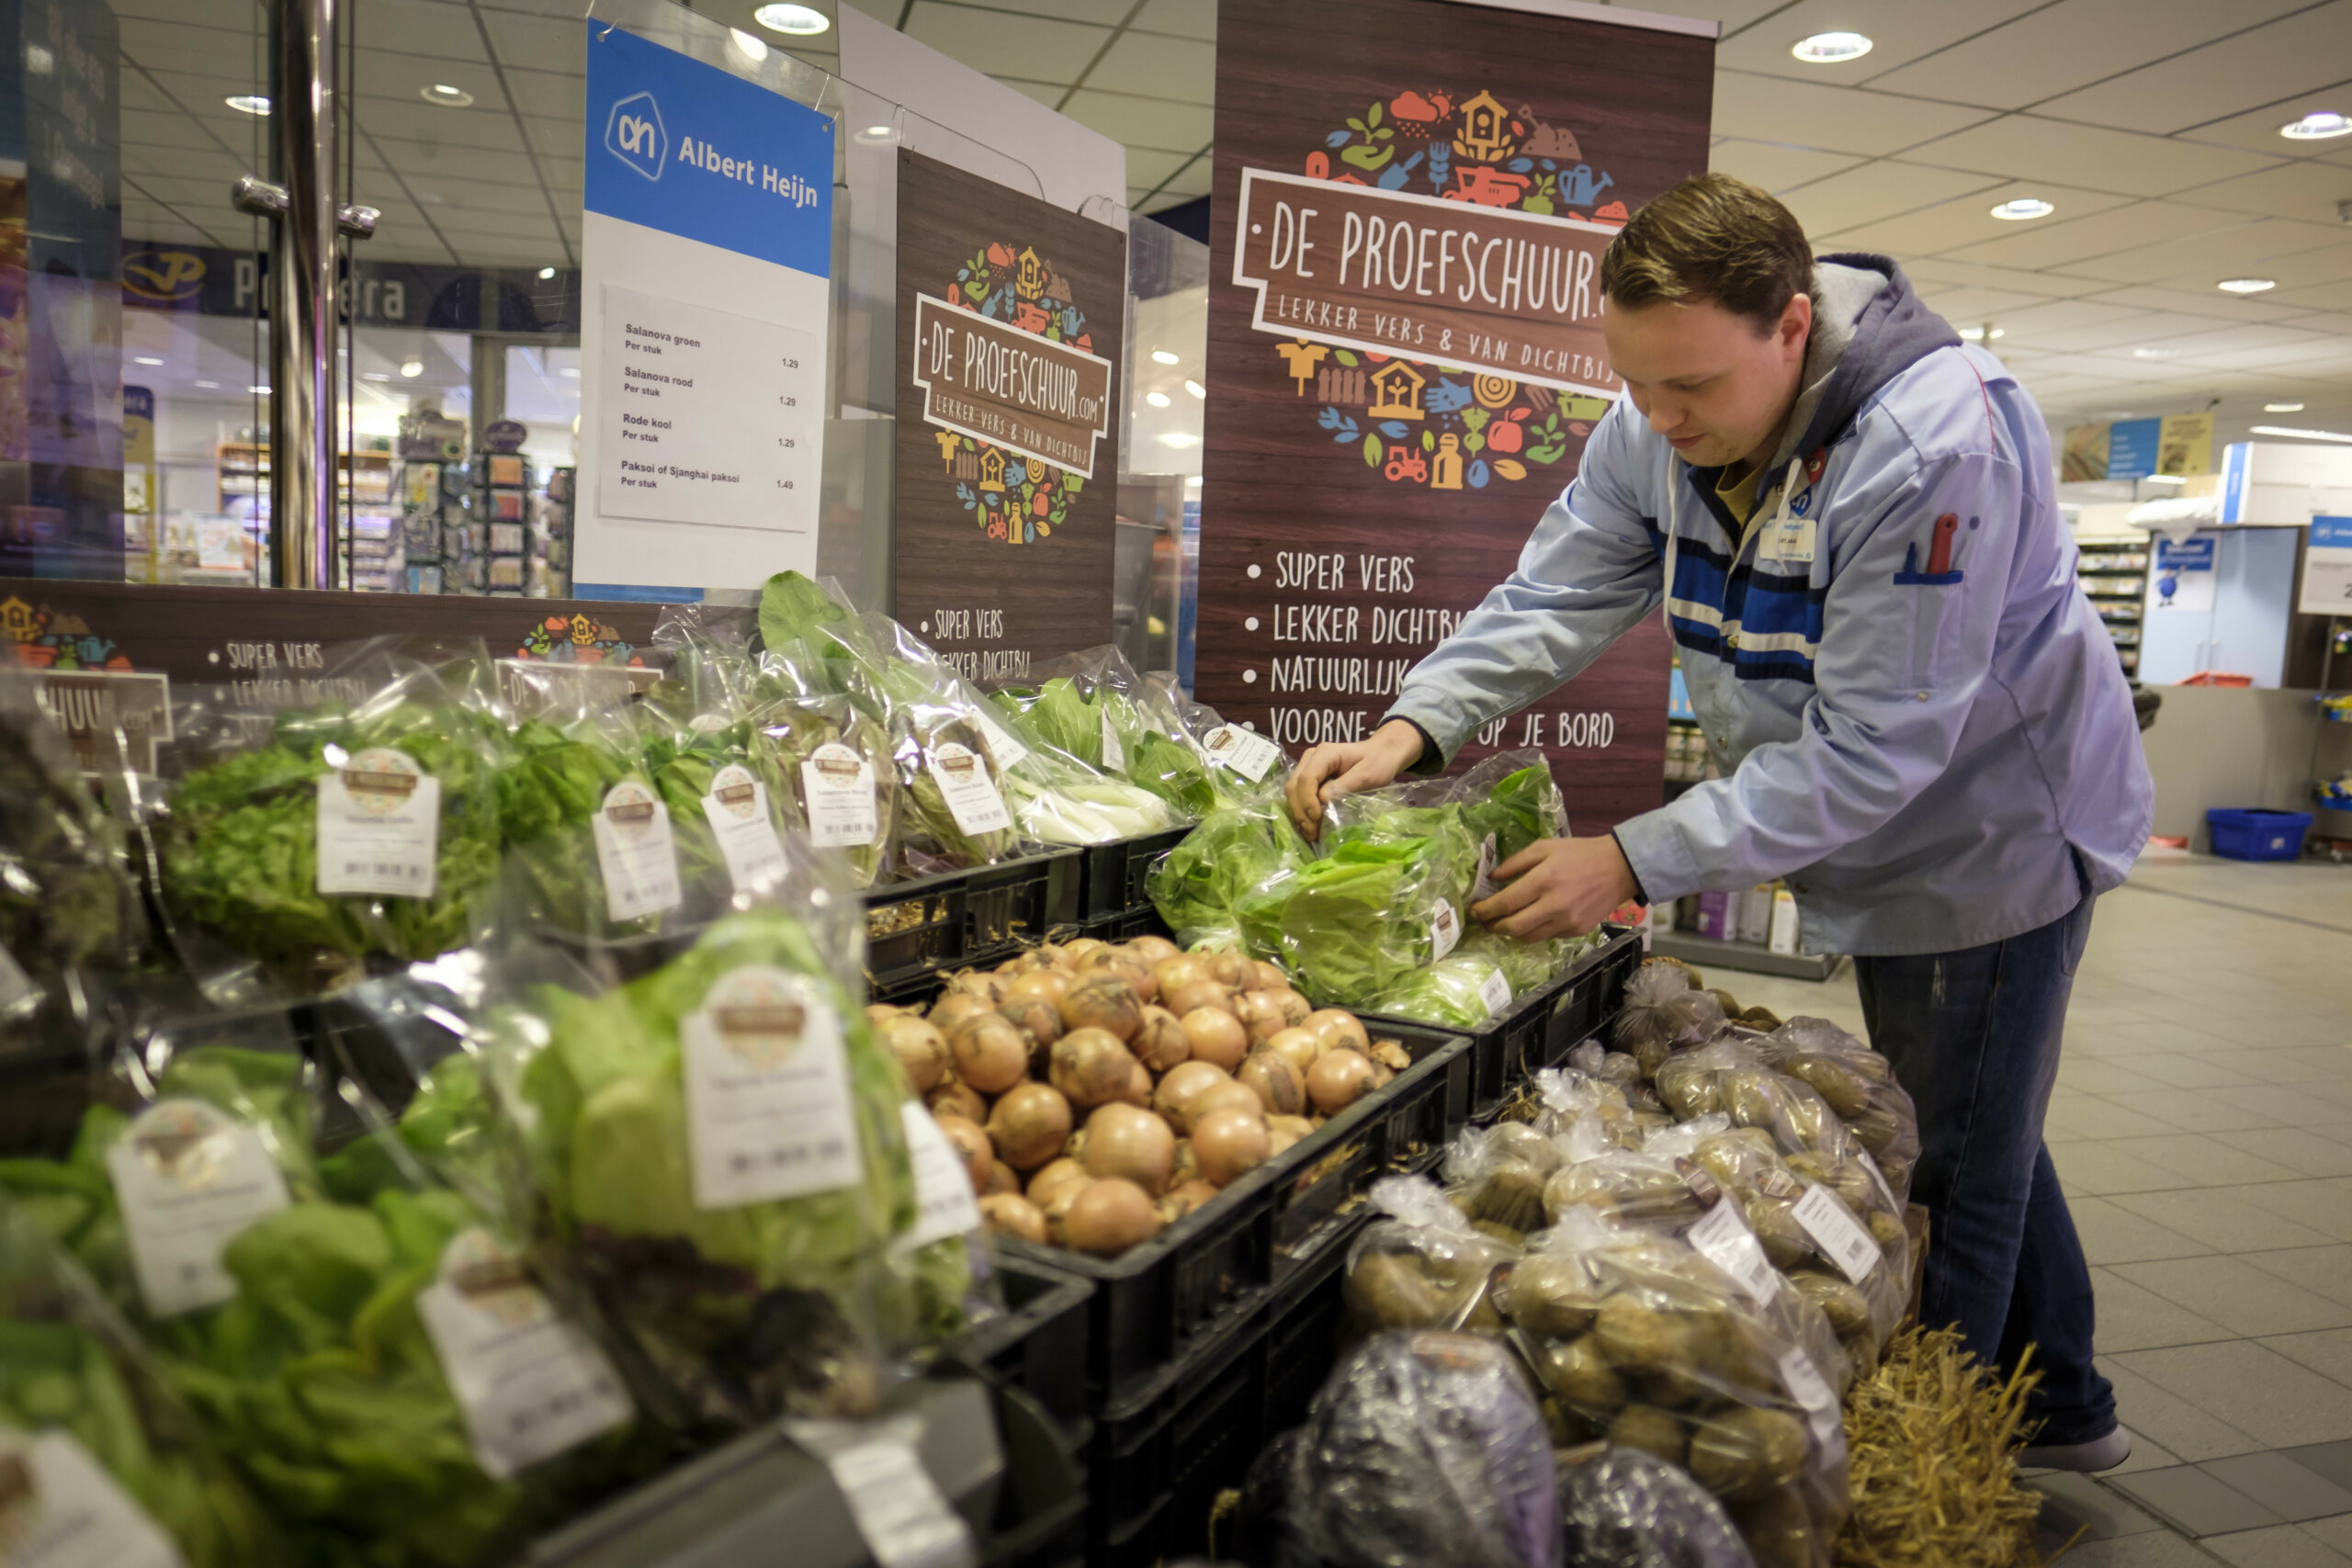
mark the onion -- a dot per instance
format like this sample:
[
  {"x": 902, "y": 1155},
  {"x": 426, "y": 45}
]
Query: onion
[
  {"x": 1138, "y": 1091},
  {"x": 1229, "y": 968},
  {"x": 1057, "y": 1208},
  {"x": 1280, "y": 1085},
  {"x": 1265, "y": 977},
  {"x": 1339, "y": 1080},
  {"x": 1390, "y": 1055},
  {"x": 1091, "y": 1066},
  {"x": 876, "y": 1012},
  {"x": 1124, "y": 1142},
  {"x": 1002, "y": 1177},
  {"x": 1338, "y": 1026},
  {"x": 1184, "y": 1083},
  {"x": 1296, "y": 1010},
  {"x": 1191, "y": 996},
  {"x": 1107, "y": 1003},
  {"x": 1074, "y": 953},
  {"x": 1180, "y": 970},
  {"x": 1159, "y": 1041},
  {"x": 1074, "y": 1146},
  {"x": 990, "y": 1054},
  {"x": 978, "y": 1155},
  {"x": 1152, "y": 950},
  {"x": 1231, "y": 1143},
  {"x": 1288, "y": 1130},
  {"x": 1127, "y": 967},
  {"x": 1228, "y": 1096},
  {"x": 1109, "y": 1216},
  {"x": 986, "y": 986},
  {"x": 1185, "y": 1167},
  {"x": 954, "y": 1007},
  {"x": 1057, "y": 1175},
  {"x": 1216, "y": 1036},
  {"x": 1299, "y": 1047},
  {"x": 953, "y": 1098},
  {"x": 1040, "y": 1021},
  {"x": 1029, "y": 1125},
  {"x": 1184, "y": 1197},
  {"x": 920, "y": 1048},
  {"x": 1010, "y": 1214},
  {"x": 1048, "y": 985},
  {"x": 1261, "y": 1013}
]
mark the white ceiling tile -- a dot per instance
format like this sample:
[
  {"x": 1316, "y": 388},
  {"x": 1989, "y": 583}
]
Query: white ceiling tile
[
  {"x": 2209, "y": 303},
  {"x": 1030, "y": 48},
  {"x": 2328, "y": 264},
  {"x": 2041, "y": 324},
  {"x": 1900, "y": 31},
  {"x": 1965, "y": 304},
  {"x": 1773, "y": 167},
  {"x": 2252, "y": 67},
  {"x": 2051, "y": 286},
  {"x": 1101, "y": 13},
  {"x": 1159, "y": 68},
  {"x": 1045, "y": 93},
  {"x": 1968, "y": 220},
  {"x": 2203, "y": 259},
  {"x": 2258, "y": 130},
  {"x": 415, "y": 120},
  {"x": 547, "y": 93},
  {"x": 1142, "y": 122},
  {"x": 436, "y": 28},
  {"x": 2030, "y": 147},
  {"x": 1181, "y": 18},
  {"x": 2053, "y": 241},
  {"x": 2060, "y": 47},
  {"x": 1876, "y": 190},
  {"x": 399, "y": 78},
  {"x": 539, "y": 43},
  {"x": 1732, "y": 14},
  {"x": 2307, "y": 190},
  {"x": 1149, "y": 166},
  {"x": 1835, "y": 120},
  {"x": 2321, "y": 297}
]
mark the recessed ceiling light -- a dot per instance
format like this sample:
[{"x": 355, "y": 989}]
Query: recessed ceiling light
[
  {"x": 1196, "y": 389},
  {"x": 1179, "y": 438},
  {"x": 1162, "y": 356},
  {"x": 2272, "y": 430},
  {"x": 2282, "y": 408},
  {"x": 2019, "y": 208},
  {"x": 2245, "y": 284},
  {"x": 1978, "y": 334},
  {"x": 209, "y": 386},
  {"x": 570, "y": 370},
  {"x": 145, "y": 359},
  {"x": 258, "y": 391},
  {"x": 2155, "y": 353},
  {"x": 449, "y": 97},
  {"x": 752, "y": 48},
  {"x": 247, "y": 103},
  {"x": 874, "y": 135},
  {"x": 1157, "y": 400},
  {"x": 413, "y": 368},
  {"x": 802, "y": 21},
  {"x": 1828, "y": 49},
  {"x": 546, "y": 273},
  {"x": 373, "y": 376},
  {"x": 2317, "y": 126}
]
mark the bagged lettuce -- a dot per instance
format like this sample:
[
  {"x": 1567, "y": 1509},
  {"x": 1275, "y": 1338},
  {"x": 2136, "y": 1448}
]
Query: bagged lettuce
[
  {"x": 1093, "y": 706},
  {"x": 1199, "y": 886},
  {"x": 837, "y": 771},
  {"x": 1461, "y": 990},
  {"x": 1507, "y": 802}
]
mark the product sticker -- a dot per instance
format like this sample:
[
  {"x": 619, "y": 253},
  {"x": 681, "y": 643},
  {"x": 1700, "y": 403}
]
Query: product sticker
[
  {"x": 1724, "y": 1239},
  {"x": 530, "y": 1384},
  {"x": 1245, "y": 752},
  {"x": 1774, "y": 1182},
  {"x": 737, "y": 808},
  {"x": 1834, "y": 1230},
  {"x": 188, "y": 1177},
  {"x": 708, "y": 723},
  {"x": 970, "y": 794},
  {"x": 1115, "y": 756},
  {"x": 1803, "y": 1379},
  {"x": 768, "y": 1111},
  {"x": 636, "y": 853},
  {"x": 59, "y": 1509},
  {"x": 380, "y": 818},
  {"x": 900, "y": 1510},
  {"x": 1495, "y": 991},
  {"x": 838, "y": 784},
  {"x": 1008, "y": 752},
  {"x": 1484, "y": 888},
  {"x": 944, "y": 1204},
  {"x": 15, "y": 986},
  {"x": 1445, "y": 929}
]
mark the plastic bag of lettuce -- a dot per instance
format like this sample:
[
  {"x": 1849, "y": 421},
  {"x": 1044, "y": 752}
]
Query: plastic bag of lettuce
[
  {"x": 112, "y": 1463},
  {"x": 1199, "y": 886},
  {"x": 364, "y": 1343},
  {"x": 318, "y": 838},
  {"x": 1094, "y": 706},
  {"x": 714, "y": 1143}
]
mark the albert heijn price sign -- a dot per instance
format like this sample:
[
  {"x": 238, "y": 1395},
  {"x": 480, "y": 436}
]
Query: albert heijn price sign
[{"x": 2327, "y": 569}]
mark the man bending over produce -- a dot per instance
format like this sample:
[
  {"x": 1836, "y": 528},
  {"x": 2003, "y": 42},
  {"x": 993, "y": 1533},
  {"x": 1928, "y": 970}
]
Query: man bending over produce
[{"x": 1918, "y": 717}]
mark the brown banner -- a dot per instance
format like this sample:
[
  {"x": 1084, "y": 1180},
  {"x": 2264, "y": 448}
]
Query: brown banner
[
  {"x": 1011, "y": 323},
  {"x": 1364, "y": 489}
]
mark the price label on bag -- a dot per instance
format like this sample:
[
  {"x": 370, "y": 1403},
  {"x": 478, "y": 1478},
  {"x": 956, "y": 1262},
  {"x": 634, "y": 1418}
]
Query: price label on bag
[
  {"x": 636, "y": 853},
  {"x": 1495, "y": 991},
  {"x": 963, "y": 777},
  {"x": 379, "y": 823},
  {"x": 59, "y": 1509},
  {"x": 838, "y": 786},
  {"x": 189, "y": 1177},
  {"x": 1008, "y": 752},
  {"x": 945, "y": 1203},
  {"x": 898, "y": 1508},
  {"x": 1811, "y": 1390},
  {"x": 1445, "y": 929},
  {"x": 1834, "y": 1229},
  {"x": 768, "y": 1109},
  {"x": 530, "y": 1384},
  {"x": 1115, "y": 756},
  {"x": 1724, "y": 1239},
  {"x": 1245, "y": 752},
  {"x": 1484, "y": 888},
  {"x": 737, "y": 809}
]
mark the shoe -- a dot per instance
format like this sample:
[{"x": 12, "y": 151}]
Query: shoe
[{"x": 2086, "y": 1458}]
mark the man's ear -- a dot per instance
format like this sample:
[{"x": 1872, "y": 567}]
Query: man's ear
[{"x": 1796, "y": 322}]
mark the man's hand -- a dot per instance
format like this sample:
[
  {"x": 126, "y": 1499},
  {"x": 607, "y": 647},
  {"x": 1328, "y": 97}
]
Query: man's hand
[
  {"x": 1557, "y": 887},
  {"x": 1348, "y": 767}
]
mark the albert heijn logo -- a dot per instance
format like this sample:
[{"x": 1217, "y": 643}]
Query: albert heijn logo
[{"x": 636, "y": 136}]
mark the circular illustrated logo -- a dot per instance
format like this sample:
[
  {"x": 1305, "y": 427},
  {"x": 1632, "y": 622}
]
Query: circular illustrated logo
[
  {"x": 958, "y": 762},
  {"x": 736, "y": 791},
  {"x": 379, "y": 780},
  {"x": 1014, "y": 500},
  {"x": 760, "y": 1014},
  {"x": 185, "y": 1142},
  {"x": 629, "y": 807},
  {"x": 492, "y": 1279},
  {"x": 837, "y": 767},
  {"x": 1420, "y": 421}
]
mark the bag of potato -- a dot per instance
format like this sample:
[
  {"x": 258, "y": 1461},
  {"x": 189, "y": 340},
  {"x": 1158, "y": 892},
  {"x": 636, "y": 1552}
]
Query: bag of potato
[
  {"x": 1595, "y": 1060},
  {"x": 1640, "y": 1339},
  {"x": 1495, "y": 1176},
  {"x": 1565, "y": 1097},
  {"x": 1859, "y": 1086},
  {"x": 1424, "y": 1267},
  {"x": 1663, "y": 1013}
]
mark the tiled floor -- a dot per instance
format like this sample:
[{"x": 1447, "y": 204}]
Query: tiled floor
[{"x": 2202, "y": 1127}]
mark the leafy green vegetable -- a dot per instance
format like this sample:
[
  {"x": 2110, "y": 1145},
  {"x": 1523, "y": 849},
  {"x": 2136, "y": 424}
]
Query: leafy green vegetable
[
  {"x": 791, "y": 607},
  {"x": 927, "y": 839},
  {"x": 792, "y": 730},
  {"x": 1199, "y": 886},
  {"x": 1522, "y": 807},
  {"x": 1447, "y": 992}
]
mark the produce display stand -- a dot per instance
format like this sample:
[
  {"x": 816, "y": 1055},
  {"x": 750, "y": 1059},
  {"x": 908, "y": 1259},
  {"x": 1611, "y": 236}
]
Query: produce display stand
[
  {"x": 1038, "y": 1345},
  {"x": 1112, "y": 876},
  {"x": 1750, "y": 957},
  {"x": 928, "y": 926}
]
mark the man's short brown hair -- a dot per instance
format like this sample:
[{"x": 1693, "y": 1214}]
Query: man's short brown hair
[{"x": 1710, "y": 238}]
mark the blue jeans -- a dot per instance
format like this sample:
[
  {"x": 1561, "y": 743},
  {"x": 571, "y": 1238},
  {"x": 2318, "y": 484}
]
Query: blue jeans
[{"x": 1973, "y": 1036}]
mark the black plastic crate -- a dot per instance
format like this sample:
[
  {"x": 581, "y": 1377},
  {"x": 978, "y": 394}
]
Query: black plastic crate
[
  {"x": 1162, "y": 1456},
  {"x": 1588, "y": 997},
  {"x": 1126, "y": 926},
  {"x": 1113, "y": 875},
  {"x": 1154, "y": 1302},
  {"x": 958, "y": 919},
  {"x": 1039, "y": 1345}
]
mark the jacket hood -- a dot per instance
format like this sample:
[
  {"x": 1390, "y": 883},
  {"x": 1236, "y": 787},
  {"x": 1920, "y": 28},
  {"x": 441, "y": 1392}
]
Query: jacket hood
[{"x": 1868, "y": 328}]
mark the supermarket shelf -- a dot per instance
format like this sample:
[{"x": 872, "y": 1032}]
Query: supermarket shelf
[{"x": 1707, "y": 953}]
